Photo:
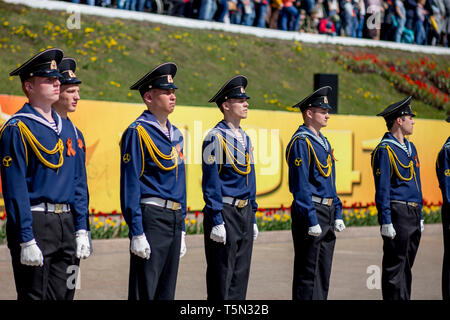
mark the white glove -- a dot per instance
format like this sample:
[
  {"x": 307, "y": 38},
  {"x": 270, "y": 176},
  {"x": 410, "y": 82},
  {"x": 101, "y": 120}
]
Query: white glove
[
  {"x": 140, "y": 246},
  {"x": 255, "y": 231},
  {"x": 339, "y": 225},
  {"x": 388, "y": 230},
  {"x": 421, "y": 226},
  {"x": 218, "y": 233},
  {"x": 83, "y": 245},
  {"x": 31, "y": 255},
  {"x": 183, "y": 248},
  {"x": 315, "y": 231}
]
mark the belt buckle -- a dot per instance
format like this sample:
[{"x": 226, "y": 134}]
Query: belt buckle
[
  {"x": 330, "y": 202},
  {"x": 176, "y": 206},
  {"x": 241, "y": 204},
  {"x": 412, "y": 204},
  {"x": 58, "y": 208}
]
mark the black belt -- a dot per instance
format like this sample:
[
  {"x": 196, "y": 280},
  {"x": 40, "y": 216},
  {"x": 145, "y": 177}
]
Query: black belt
[{"x": 408, "y": 203}]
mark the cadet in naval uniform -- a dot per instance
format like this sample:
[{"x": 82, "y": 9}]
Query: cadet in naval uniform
[
  {"x": 443, "y": 174},
  {"x": 38, "y": 187},
  {"x": 398, "y": 197},
  {"x": 69, "y": 95},
  {"x": 153, "y": 189},
  {"x": 229, "y": 192},
  {"x": 316, "y": 209}
]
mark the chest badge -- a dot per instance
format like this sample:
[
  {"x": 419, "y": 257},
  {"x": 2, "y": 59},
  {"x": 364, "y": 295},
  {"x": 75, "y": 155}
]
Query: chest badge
[
  {"x": 7, "y": 161},
  {"x": 126, "y": 158}
]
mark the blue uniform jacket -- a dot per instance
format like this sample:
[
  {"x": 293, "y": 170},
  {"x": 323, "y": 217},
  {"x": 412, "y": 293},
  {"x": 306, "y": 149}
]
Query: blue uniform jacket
[
  {"x": 305, "y": 178},
  {"x": 81, "y": 201},
  {"x": 141, "y": 177},
  {"x": 388, "y": 158},
  {"x": 219, "y": 176},
  {"x": 443, "y": 171},
  {"x": 26, "y": 180}
]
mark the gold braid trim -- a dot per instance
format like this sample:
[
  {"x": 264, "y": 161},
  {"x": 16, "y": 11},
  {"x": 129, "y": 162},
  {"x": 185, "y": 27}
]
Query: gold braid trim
[
  {"x": 152, "y": 149},
  {"x": 35, "y": 145},
  {"x": 393, "y": 159},
  {"x": 319, "y": 165},
  {"x": 230, "y": 156}
]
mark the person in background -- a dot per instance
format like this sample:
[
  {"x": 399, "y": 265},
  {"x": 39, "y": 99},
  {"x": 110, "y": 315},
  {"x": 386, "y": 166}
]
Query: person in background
[
  {"x": 229, "y": 192},
  {"x": 443, "y": 175},
  {"x": 446, "y": 24},
  {"x": 387, "y": 27},
  {"x": 326, "y": 26},
  {"x": 421, "y": 35},
  {"x": 290, "y": 16},
  {"x": 316, "y": 209},
  {"x": 360, "y": 12},
  {"x": 274, "y": 14},
  {"x": 45, "y": 234},
  {"x": 398, "y": 197},
  {"x": 222, "y": 11},
  {"x": 349, "y": 18},
  {"x": 260, "y": 13},
  {"x": 69, "y": 96},
  {"x": 400, "y": 16},
  {"x": 207, "y": 10},
  {"x": 411, "y": 14},
  {"x": 372, "y": 19},
  {"x": 333, "y": 14},
  {"x": 153, "y": 189}
]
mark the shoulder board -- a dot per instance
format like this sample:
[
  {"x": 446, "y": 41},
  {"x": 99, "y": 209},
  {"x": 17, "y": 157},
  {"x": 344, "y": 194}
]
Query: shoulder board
[
  {"x": 214, "y": 132},
  {"x": 134, "y": 125},
  {"x": 300, "y": 136},
  {"x": 13, "y": 122},
  {"x": 381, "y": 145},
  {"x": 447, "y": 145}
]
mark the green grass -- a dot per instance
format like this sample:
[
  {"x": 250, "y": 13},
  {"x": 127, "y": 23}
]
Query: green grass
[{"x": 280, "y": 72}]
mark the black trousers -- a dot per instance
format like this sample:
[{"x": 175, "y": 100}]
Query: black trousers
[
  {"x": 313, "y": 255},
  {"x": 399, "y": 253},
  {"x": 445, "y": 214},
  {"x": 55, "y": 280},
  {"x": 156, "y": 278},
  {"x": 228, "y": 266}
]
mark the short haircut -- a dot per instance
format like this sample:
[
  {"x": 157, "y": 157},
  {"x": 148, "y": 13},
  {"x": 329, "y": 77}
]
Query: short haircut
[
  {"x": 23, "y": 86},
  {"x": 390, "y": 122}
]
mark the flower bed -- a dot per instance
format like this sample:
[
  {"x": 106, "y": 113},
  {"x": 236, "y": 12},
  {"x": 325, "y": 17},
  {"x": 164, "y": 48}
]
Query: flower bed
[
  {"x": 113, "y": 225},
  {"x": 420, "y": 79}
]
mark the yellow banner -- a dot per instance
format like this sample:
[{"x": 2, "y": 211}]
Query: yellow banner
[{"x": 352, "y": 137}]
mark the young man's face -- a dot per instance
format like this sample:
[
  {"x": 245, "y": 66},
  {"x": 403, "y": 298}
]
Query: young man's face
[
  {"x": 237, "y": 108},
  {"x": 162, "y": 100},
  {"x": 319, "y": 116},
  {"x": 406, "y": 124},
  {"x": 68, "y": 97},
  {"x": 43, "y": 89}
]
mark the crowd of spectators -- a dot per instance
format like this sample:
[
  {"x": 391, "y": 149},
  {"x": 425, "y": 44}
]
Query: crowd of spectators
[{"x": 424, "y": 22}]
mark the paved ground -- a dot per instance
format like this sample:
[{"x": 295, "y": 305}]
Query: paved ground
[{"x": 104, "y": 275}]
